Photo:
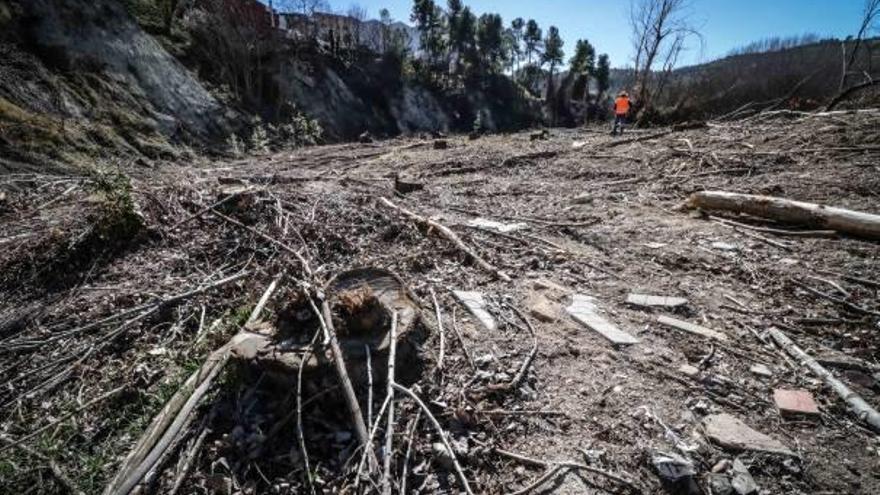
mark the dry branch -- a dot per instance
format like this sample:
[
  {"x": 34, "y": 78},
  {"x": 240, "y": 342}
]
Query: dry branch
[
  {"x": 449, "y": 235},
  {"x": 793, "y": 212},
  {"x": 859, "y": 407}
]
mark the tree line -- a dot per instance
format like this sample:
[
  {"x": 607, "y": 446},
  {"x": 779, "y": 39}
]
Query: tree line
[{"x": 458, "y": 47}]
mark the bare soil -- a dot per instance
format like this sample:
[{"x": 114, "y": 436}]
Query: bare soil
[{"x": 601, "y": 216}]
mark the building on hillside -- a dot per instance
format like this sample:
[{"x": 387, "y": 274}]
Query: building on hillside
[{"x": 252, "y": 13}]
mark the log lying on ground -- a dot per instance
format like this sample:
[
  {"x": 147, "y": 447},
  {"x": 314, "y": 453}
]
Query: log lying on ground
[
  {"x": 856, "y": 223},
  {"x": 857, "y": 405}
]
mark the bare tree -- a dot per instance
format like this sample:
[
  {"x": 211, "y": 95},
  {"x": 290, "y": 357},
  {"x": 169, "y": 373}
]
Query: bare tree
[
  {"x": 850, "y": 63},
  {"x": 359, "y": 15},
  {"x": 660, "y": 29}
]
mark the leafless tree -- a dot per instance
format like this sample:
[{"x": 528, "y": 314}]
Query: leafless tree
[
  {"x": 850, "y": 63},
  {"x": 660, "y": 30},
  {"x": 359, "y": 15}
]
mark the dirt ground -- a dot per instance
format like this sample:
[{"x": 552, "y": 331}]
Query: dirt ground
[{"x": 598, "y": 215}]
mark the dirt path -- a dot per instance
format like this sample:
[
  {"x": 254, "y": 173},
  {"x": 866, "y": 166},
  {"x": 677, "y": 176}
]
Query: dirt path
[{"x": 596, "y": 216}]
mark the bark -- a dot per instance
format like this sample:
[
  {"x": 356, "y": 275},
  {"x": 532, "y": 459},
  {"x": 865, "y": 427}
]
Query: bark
[{"x": 865, "y": 225}]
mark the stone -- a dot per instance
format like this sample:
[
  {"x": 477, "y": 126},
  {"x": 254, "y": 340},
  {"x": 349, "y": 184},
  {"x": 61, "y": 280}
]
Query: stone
[
  {"x": 583, "y": 309},
  {"x": 484, "y": 223},
  {"x": 688, "y": 370},
  {"x": 719, "y": 484},
  {"x": 475, "y": 304},
  {"x": 676, "y": 473},
  {"x": 441, "y": 144},
  {"x": 795, "y": 403},
  {"x": 723, "y": 246},
  {"x": 550, "y": 286},
  {"x": 729, "y": 432},
  {"x": 761, "y": 370},
  {"x": 655, "y": 301},
  {"x": 741, "y": 480},
  {"x": 691, "y": 328},
  {"x": 542, "y": 308}
]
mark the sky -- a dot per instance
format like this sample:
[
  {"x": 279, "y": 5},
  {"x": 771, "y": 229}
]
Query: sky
[{"x": 725, "y": 24}]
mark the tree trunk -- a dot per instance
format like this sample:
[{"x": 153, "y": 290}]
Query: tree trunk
[{"x": 859, "y": 224}]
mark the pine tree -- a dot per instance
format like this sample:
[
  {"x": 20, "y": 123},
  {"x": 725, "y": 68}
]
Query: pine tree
[
  {"x": 584, "y": 63},
  {"x": 532, "y": 39},
  {"x": 490, "y": 41},
  {"x": 516, "y": 27},
  {"x": 603, "y": 74},
  {"x": 553, "y": 55},
  {"x": 429, "y": 22}
]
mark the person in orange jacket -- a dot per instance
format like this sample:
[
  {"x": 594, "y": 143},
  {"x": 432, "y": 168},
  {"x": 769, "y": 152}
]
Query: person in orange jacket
[{"x": 621, "y": 109}]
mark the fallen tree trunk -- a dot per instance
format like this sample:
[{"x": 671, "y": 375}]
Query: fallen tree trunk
[
  {"x": 857, "y": 405},
  {"x": 859, "y": 224}
]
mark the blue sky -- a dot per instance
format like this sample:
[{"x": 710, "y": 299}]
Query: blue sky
[{"x": 725, "y": 24}]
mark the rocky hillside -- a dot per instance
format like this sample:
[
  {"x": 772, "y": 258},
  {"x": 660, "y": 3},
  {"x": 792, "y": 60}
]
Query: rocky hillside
[{"x": 81, "y": 79}]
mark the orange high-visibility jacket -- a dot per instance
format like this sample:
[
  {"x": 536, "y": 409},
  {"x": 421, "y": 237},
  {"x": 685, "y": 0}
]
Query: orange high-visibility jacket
[{"x": 621, "y": 105}]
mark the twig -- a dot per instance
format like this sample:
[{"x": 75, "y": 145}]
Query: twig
[
  {"x": 461, "y": 477},
  {"x": 817, "y": 292},
  {"x": 551, "y": 473},
  {"x": 65, "y": 417},
  {"x": 856, "y": 280},
  {"x": 357, "y": 418},
  {"x": 569, "y": 464},
  {"x": 464, "y": 348},
  {"x": 409, "y": 443},
  {"x": 440, "y": 330},
  {"x": 832, "y": 283},
  {"x": 302, "y": 261},
  {"x": 300, "y": 436},
  {"x": 523, "y": 369},
  {"x": 166, "y": 426},
  {"x": 450, "y": 236},
  {"x": 209, "y": 208},
  {"x": 768, "y": 230},
  {"x": 389, "y": 431},
  {"x": 189, "y": 461},
  {"x": 56, "y": 470},
  {"x": 369, "y": 358}
]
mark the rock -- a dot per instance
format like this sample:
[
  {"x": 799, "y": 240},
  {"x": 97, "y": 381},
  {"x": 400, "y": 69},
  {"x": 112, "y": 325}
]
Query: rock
[
  {"x": 723, "y": 246},
  {"x": 676, "y": 474},
  {"x": 655, "y": 301},
  {"x": 542, "y": 308},
  {"x": 484, "y": 223},
  {"x": 475, "y": 304},
  {"x": 474, "y": 136},
  {"x": 365, "y": 137},
  {"x": 583, "y": 199},
  {"x": 441, "y": 144},
  {"x": 719, "y": 484},
  {"x": 550, "y": 286},
  {"x": 761, "y": 370},
  {"x": 795, "y": 403},
  {"x": 741, "y": 480},
  {"x": 688, "y": 370},
  {"x": 729, "y": 432},
  {"x": 583, "y": 309}
]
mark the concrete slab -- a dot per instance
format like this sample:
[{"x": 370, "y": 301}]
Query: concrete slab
[
  {"x": 795, "y": 403},
  {"x": 729, "y": 432},
  {"x": 691, "y": 328},
  {"x": 475, "y": 304},
  {"x": 583, "y": 309},
  {"x": 761, "y": 370},
  {"x": 649, "y": 301}
]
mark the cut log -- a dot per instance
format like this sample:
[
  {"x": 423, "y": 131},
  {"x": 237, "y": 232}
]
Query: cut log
[
  {"x": 857, "y": 405},
  {"x": 859, "y": 224}
]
